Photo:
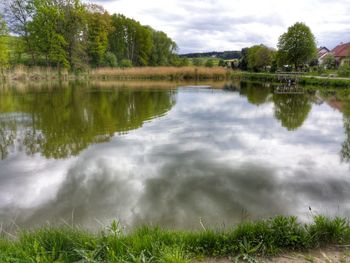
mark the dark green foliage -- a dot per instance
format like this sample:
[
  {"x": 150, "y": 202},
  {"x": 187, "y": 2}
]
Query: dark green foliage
[
  {"x": 260, "y": 58},
  {"x": 163, "y": 49},
  {"x": 126, "y": 63},
  {"x": 243, "y": 62},
  {"x": 197, "y": 62},
  {"x": 221, "y": 55},
  {"x": 71, "y": 34},
  {"x": 222, "y": 63},
  {"x": 265, "y": 237},
  {"x": 209, "y": 63},
  {"x": 110, "y": 60}
]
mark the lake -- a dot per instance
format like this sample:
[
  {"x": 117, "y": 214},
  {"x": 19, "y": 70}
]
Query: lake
[{"x": 174, "y": 155}]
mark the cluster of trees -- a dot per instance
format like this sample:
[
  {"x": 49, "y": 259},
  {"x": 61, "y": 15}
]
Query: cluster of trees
[
  {"x": 221, "y": 55},
  {"x": 70, "y": 34},
  {"x": 296, "y": 48}
]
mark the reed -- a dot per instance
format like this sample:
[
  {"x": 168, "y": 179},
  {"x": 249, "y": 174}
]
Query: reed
[{"x": 160, "y": 73}]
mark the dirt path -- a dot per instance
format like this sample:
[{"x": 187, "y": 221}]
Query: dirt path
[{"x": 329, "y": 255}]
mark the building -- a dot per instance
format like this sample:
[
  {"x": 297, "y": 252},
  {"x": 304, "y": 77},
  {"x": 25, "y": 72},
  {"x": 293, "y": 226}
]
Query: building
[
  {"x": 341, "y": 53},
  {"x": 322, "y": 52}
]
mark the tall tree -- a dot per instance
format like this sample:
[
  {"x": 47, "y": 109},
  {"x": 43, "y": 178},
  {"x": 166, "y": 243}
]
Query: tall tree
[
  {"x": 297, "y": 46},
  {"x": 47, "y": 34},
  {"x": 259, "y": 57},
  {"x": 163, "y": 49},
  {"x": 130, "y": 40},
  {"x": 19, "y": 13},
  {"x": 73, "y": 29},
  {"x": 99, "y": 26}
]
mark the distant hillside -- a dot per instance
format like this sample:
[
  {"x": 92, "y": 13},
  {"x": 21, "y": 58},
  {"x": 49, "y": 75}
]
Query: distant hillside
[{"x": 221, "y": 55}]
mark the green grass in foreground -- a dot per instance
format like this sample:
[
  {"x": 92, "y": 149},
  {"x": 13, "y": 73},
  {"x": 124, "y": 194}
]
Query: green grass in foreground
[{"x": 266, "y": 237}]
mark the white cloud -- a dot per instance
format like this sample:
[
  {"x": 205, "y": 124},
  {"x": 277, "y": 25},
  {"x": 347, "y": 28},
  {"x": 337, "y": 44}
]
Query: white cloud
[{"x": 208, "y": 25}]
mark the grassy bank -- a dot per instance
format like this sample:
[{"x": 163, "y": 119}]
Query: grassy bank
[
  {"x": 303, "y": 80},
  {"x": 266, "y": 237}
]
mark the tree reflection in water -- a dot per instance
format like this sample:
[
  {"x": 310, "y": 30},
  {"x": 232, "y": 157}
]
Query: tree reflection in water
[
  {"x": 62, "y": 122},
  {"x": 291, "y": 109}
]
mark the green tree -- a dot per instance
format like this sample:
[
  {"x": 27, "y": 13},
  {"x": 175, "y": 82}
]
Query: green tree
[
  {"x": 44, "y": 28},
  {"x": 4, "y": 52},
  {"x": 130, "y": 40},
  {"x": 19, "y": 14},
  {"x": 99, "y": 26},
  {"x": 297, "y": 46},
  {"x": 163, "y": 49},
  {"x": 73, "y": 29},
  {"x": 259, "y": 57}
]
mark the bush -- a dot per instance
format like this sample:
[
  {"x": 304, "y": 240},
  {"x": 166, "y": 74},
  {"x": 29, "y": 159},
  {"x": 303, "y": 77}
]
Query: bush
[
  {"x": 344, "y": 71},
  {"x": 184, "y": 62},
  {"x": 197, "y": 62},
  {"x": 126, "y": 63},
  {"x": 110, "y": 60},
  {"x": 209, "y": 63}
]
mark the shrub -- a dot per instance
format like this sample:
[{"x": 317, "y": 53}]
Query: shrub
[
  {"x": 126, "y": 63},
  {"x": 110, "y": 60},
  {"x": 209, "y": 63},
  {"x": 344, "y": 71}
]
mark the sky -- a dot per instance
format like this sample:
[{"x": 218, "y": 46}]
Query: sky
[{"x": 218, "y": 25}]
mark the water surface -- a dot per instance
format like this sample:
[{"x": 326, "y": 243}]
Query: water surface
[{"x": 171, "y": 155}]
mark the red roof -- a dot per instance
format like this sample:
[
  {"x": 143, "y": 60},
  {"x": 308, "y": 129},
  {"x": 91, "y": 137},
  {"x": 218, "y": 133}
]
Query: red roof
[{"x": 342, "y": 50}]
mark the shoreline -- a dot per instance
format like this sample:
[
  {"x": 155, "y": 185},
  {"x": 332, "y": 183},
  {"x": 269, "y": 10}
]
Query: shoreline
[
  {"x": 158, "y": 74},
  {"x": 271, "y": 238}
]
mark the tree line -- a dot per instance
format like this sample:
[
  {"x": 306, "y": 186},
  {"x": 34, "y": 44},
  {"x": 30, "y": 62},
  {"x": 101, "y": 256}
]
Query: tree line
[
  {"x": 71, "y": 34},
  {"x": 296, "y": 48}
]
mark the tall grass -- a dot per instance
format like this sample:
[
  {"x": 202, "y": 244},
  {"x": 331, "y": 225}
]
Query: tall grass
[
  {"x": 22, "y": 73},
  {"x": 161, "y": 73},
  {"x": 265, "y": 237}
]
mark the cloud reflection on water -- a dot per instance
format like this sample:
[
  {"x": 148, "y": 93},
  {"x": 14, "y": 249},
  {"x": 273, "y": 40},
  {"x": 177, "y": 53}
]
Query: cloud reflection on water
[{"x": 214, "y": 156}]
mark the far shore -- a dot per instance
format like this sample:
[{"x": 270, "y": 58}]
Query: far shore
[{"x": 28, "y": 74}]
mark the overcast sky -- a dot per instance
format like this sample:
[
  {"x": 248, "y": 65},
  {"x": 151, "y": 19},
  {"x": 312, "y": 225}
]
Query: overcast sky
[{"x": 208, "y": 25}]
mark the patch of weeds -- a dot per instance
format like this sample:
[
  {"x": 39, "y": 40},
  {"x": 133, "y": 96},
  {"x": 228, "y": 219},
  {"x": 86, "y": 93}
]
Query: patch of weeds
[{"x": 173, "y": 255}]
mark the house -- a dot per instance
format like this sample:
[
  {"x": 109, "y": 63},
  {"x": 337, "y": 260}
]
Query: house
[
  {"x": 341, "y": 53},
  {"x": 322, "y": 52}
]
